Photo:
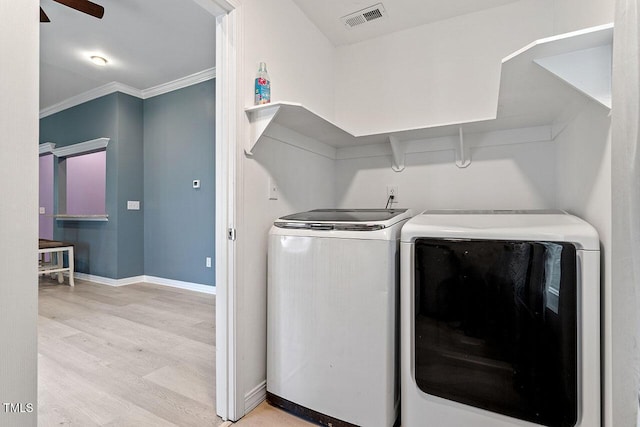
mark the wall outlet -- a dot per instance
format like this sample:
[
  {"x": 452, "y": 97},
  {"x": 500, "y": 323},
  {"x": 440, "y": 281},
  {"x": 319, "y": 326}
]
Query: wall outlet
[
  {"x": 392, "y": 190},
  {"x": 207, "y": 261},
  {"x": 42, "y": 211},
  {"x": 273, "y": 190}
]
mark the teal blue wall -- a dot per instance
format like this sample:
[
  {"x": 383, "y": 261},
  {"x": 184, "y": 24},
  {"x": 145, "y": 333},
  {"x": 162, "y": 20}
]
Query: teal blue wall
[
  {"x": 130, "y": 184},
  {"x": 179, "y": 147},
  {"x": 158, "y": 146},
  {"x": 96, "y": 243}
]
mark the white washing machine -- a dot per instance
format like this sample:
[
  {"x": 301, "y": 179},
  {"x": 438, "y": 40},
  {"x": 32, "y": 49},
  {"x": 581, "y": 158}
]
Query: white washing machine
[
  {"x": 332, "y": 326},
  {"x": 500, "y": 320}
]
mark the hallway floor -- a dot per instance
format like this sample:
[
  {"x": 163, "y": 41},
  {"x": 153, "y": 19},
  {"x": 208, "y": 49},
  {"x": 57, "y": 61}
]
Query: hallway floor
[{"x": 137, "y": 355}]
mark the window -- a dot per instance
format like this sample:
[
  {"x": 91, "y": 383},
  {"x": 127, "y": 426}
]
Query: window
[
  {"x": 46, "y": 197},
  {"x": 82, "y": 180},
  {"x": 86, "y": 177}
]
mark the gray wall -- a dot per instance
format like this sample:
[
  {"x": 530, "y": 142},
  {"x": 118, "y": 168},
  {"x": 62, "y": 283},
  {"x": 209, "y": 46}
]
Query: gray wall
[
  {"x": 18, "y": 209},
  {"x": 158, "y": 147},
  {"x": 130, "y": 183},
  {"x": 109, "y": 249},
  {"x": 179, "y": 133}
]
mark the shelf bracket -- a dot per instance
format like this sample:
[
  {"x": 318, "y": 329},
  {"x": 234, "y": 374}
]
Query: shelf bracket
[
  {"x": 463, "y": 159},
  {"x": 398, "y": 149},
  {"x": 259, "y": 120}
]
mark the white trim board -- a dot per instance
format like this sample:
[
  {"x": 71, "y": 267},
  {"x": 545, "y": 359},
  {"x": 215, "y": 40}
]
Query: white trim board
[
  {"x": 254, "y": 397},
  {"x": 90, "y": 95},
  {"x": 183, "y": 82},
  {"x": 46, "y": 148},
  {"x": 107, "y": 280},
  {"x": 230, "y": 393},
  {"x": 81, "y": 147},
  {"x": 197, "y": 287},
  {"x": 113, "y": 87}
]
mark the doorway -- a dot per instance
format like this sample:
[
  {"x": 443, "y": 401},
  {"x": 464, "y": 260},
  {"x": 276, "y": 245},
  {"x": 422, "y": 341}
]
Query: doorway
[{"x": 139, "y": 305}]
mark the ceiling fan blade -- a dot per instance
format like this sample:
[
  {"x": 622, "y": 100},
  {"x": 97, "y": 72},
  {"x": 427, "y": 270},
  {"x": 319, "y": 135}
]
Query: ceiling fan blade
[
  {"x": 43, "y": 16},
  {"x": 84, "y": 6}
]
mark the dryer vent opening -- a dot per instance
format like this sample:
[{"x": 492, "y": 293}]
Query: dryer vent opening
[{"x": 363, "y": 16}]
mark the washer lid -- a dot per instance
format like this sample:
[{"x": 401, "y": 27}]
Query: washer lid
[
  {"x": 528, "y": 225},
  {"x": 344, "y": 219}
]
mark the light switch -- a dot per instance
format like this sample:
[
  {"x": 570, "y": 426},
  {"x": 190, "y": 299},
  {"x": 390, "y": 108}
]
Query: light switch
[
  {"x": 196, "y": 183},
  {"x": 133, "y": 205},
  {"x": 42, "y": 210}
]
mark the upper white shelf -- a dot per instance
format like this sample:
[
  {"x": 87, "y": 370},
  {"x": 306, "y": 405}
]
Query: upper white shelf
[
  {"x": 540, "y": 85},
  {"x": 552, "y": 75}
]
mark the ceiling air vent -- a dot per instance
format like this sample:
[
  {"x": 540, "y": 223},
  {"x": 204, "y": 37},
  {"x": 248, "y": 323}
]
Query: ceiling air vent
[{"x": 363, "y": 16}]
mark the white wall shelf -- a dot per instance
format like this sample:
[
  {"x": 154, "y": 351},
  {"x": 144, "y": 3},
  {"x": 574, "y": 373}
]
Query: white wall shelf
[
  {"x": 541, "y": 86},
  {"x": 66, "y": 217},
  {"x": 549, "y": 78}
]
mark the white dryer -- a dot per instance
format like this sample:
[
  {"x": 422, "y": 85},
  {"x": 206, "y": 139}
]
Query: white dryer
[
  {"x": 500, "y": 320},
  {"x": 332, "y": 327}
]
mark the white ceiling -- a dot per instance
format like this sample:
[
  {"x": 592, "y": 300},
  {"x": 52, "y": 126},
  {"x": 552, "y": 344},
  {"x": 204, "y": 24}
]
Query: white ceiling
[
  {"x": 146, "y": 42},
  {"x": 402, "y": 14},
  {"x": 149, "y": 43}
]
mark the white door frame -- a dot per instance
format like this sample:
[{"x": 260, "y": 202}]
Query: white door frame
[{"x": 229, "y": 394}]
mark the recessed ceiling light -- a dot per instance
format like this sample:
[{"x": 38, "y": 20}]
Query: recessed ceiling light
[{"x": 99, "y": 60}]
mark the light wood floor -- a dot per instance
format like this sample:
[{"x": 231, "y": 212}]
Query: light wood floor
[
  {"x": 265, "y": 415},
  {"x": 137, "y": 355}
]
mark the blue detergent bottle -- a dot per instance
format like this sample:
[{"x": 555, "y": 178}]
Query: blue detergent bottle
[{"x": 262, "y": 86}]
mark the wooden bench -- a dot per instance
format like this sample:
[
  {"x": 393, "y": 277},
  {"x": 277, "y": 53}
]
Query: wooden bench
[{"x": 55, "y": 265}]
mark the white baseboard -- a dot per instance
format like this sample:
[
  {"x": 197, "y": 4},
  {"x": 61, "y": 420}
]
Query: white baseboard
[
  {"x": 197, "y": 287},
  {"x": 107, "y": 280},
  {"x": 206, "y": 289},
  {"x": 255, "y": 397}
]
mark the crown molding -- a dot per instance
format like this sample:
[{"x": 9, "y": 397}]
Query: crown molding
[
  {"x": 113, "y": 87},
  {"x": 90, "y": 95},
  {"x": 46, "y": 148},
  {"x": 180, "y": 83},
  {"x": 81, "y": 147},
  {"x": 216, "y": 7}
]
